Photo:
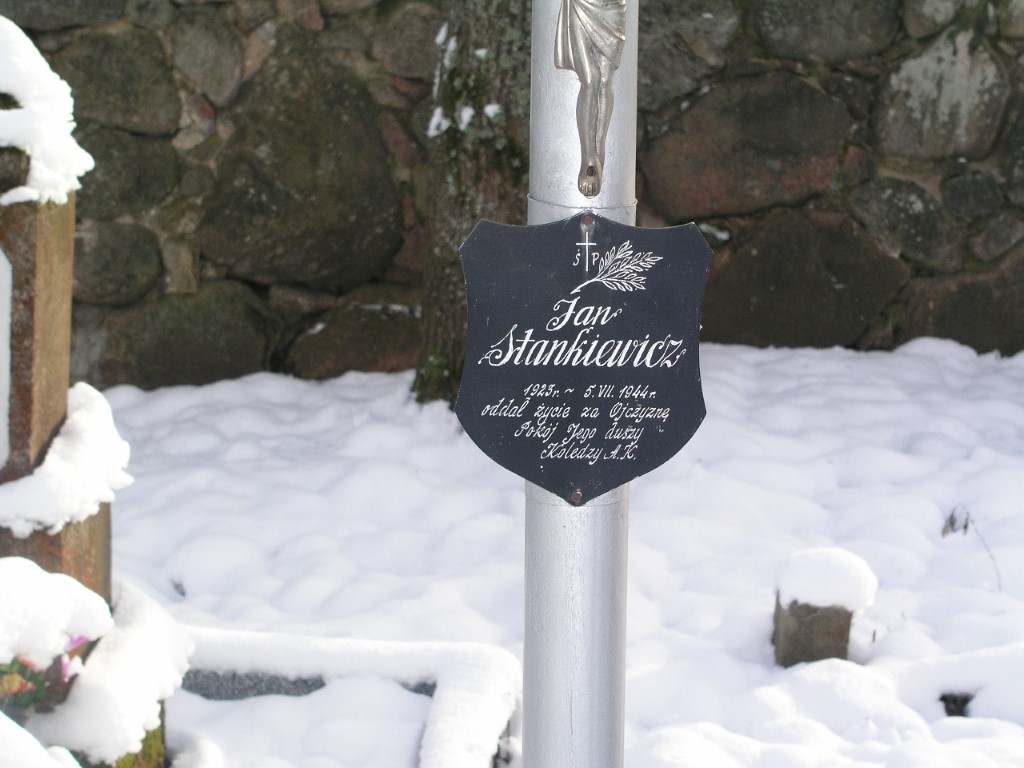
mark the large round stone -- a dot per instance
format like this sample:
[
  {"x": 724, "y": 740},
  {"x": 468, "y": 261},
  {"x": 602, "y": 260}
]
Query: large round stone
[
  {"x": 406, "y": 44},
  {"x": 907, "y": 221},
  {"x": 922, "y": 18},
  {"x": 304, "y": 191},
  {"x": 827, "y": 31},
  {"x": 122, "y": 80},
  {"x": 1000, "y": 234},
  {"x": 115, "y": 263},
  {"x": 802, "y": 280},
  {"x": 345, "y": 7},
  {"x": 984, "y": 309},
  {"x": 1012, "y": 163},
  {"x": 972, "y": 196},
  {"x": 948, "y": 101},
  {"x": 208, "y": 52},
  {"x": 355, "y": 338},
  {"x": 749, "y": 144},
  {"x": 1011, "y": 18},
  {"x": 151, "y": 14},
  {"x": 681, "y": 41},
  {"x": 222, "y": 332},
  {"x": 58, "y": 14},
  {"x": 132, "y": 174}
]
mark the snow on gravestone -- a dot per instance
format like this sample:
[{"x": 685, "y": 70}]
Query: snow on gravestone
[
  {"x": 818, "y": 591},
  {"x": 37, "y": 227},
  {"x": 37, "y": 117},
  {"x": 40, "y": 122}
]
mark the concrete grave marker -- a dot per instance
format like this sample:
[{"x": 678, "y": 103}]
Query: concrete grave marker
[{"x": 38, "y": 243}]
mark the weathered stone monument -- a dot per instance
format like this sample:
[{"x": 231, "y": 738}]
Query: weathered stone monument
[
  {"x": 805, "y": 632},
  {"x": 37, "y": 241},
  {"x": 60, "y": 456},
  {"x": 819, "y": 591},
  {"x": 41, "y": 167}
]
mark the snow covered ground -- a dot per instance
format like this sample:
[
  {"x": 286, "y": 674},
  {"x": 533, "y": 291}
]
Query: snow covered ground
[{"x": 294, "y": 525}]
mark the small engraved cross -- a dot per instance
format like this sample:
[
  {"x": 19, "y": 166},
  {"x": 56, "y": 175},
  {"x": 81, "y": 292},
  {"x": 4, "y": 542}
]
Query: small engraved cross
[{"x": 587, "y": 245}]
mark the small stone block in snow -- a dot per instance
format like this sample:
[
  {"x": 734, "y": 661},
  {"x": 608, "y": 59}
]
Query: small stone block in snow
[
  {"x": 810, "y": 633},
  {"x": 818, "y": 591}
]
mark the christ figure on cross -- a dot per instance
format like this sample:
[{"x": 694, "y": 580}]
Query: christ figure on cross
[{"x": 589, "y": 40}]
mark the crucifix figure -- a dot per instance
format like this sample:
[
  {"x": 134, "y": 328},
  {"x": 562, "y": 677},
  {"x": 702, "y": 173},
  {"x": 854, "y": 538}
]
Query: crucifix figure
[{"x": 589, "y": 41}]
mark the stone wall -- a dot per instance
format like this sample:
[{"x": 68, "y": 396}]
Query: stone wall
[
  {"x": 261, "y": 185},
  {"x": 861, "y": 166}
]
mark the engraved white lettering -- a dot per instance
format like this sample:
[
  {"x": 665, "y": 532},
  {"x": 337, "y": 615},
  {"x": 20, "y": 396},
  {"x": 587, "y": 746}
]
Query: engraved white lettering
[
  {"x": 510, "y": 409},
  {"x": 587, "y": 315},
  {"x": 521, "y": 348},
  {"x": 568, "y": 449},
  {"x": 516, "y": 349},
  {"x": 615, "y": 432},
  {"x": 638, "y": 413},
  {"x": 529, "y": 429},
  {"x": 544, "y": 412}
]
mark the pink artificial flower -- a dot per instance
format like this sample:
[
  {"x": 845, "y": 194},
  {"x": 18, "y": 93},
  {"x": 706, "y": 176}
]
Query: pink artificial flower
[
  {"x": 77, "y": 642},
  {"x": 65, "y": 667}
]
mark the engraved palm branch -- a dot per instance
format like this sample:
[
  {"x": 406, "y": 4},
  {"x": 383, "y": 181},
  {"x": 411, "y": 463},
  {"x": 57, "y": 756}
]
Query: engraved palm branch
[{"x": 620, "y": 269}]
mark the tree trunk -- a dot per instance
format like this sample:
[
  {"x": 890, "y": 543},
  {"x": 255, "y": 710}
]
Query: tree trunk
[{"x": 479, "y": 165}]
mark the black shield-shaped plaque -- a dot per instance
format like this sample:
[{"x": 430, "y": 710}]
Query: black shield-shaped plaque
[{"x": 582, "y": 370}]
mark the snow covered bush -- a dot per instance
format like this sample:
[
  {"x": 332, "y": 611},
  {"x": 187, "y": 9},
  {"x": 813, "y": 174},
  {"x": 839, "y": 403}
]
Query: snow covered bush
[
  {"x": 116, "y": 698},
  {"x": 24, "y": 686},
  {"x": 36, "y": 117},
  {"x": 137, "y": 662},
  {"x": 46, "y": 618}
]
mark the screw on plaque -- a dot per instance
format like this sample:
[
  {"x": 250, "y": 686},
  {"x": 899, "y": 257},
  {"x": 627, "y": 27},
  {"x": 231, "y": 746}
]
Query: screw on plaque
[{"x": 576, "y": 497}]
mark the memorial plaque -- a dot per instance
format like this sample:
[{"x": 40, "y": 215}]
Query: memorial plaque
[{"x": 582, "y": 369}]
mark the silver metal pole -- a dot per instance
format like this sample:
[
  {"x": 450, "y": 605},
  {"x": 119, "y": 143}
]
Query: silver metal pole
[
  {"x": 554, "y": 138},
  {"x": 574, "y": 661},
  {"x": 574, "y": 654}
]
